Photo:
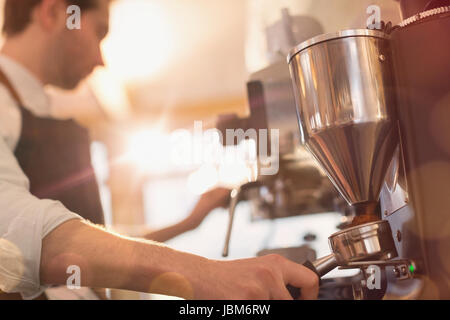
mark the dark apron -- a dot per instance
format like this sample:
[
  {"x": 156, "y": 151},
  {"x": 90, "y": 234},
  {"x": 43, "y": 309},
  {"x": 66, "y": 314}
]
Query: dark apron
[{"x": 55, "y": 156}]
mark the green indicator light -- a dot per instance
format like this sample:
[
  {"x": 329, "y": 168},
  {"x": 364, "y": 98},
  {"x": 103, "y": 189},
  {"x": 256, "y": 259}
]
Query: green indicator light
[{"x": 411, "y": 268}]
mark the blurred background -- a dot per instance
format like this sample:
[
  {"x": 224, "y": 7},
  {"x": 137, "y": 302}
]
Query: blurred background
[{"x": 170, "y": 63}]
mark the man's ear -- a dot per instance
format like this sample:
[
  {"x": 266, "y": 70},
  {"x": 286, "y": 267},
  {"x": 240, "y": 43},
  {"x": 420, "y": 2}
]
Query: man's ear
[{"x": 51, "y": 14}]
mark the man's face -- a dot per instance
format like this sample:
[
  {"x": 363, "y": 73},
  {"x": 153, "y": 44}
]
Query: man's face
[{"x": 75, "y": 53}]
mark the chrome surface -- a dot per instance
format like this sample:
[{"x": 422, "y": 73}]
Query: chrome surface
[
  {"x": 394, "y": 194},
  {"x": 344, "y": 96},
  {"x": 380, "y": 263},
  {"x": 325, "y": 264},
  {"x": 371, "y": 241},
  {"x": 335, "y": 35},
  {"x": 235, "y": 194}
]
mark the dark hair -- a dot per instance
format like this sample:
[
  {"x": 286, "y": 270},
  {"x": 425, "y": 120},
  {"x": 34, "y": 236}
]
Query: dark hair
[{"x": 17, "y": 13}]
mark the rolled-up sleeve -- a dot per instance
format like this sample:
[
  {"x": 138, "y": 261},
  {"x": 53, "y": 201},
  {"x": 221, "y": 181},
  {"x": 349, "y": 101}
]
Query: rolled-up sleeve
[{"x": 24, "y": 221}]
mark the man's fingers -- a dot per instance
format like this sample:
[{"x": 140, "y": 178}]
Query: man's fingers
[
  {"x": 281, "y": 293},
  {"x": 301, "y": 277}
]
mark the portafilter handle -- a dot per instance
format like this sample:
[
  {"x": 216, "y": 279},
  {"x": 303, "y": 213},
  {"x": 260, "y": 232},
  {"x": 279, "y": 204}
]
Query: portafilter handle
[
  {"x": 320, "y": 267},
  {"x": 323, "y": 265}
]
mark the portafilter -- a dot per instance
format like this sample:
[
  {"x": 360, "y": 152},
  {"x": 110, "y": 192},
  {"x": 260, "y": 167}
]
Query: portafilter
[{"x": 370, "y": 242}]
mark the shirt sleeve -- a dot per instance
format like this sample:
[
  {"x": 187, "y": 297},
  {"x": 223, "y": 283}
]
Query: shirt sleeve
[{"x": 24, "y": 221}]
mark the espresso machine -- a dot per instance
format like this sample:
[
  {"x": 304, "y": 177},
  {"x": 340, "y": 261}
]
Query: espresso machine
[
  {"x": 288, "y": 182},
  {"x": 298, "y": 187},
  {"x": 374, "y": 111}
]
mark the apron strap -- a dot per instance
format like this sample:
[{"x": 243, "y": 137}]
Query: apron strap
[{"x": 5, "y": 81}]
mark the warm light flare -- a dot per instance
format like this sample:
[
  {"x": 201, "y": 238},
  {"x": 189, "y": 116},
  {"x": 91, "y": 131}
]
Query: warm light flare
[
  {"x": 140, "y": 41},
  {"x": 237, "y": 166},
  {"x": 205, "y": 178},
  {"x": 149, "y": 150}
]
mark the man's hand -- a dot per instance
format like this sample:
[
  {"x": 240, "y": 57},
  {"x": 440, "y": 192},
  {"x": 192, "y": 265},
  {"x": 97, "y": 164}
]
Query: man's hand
[
  {"x": 258, "y": 279},
  {"x": 213, "y": 199},
  {"x": 209, "y": 201}
]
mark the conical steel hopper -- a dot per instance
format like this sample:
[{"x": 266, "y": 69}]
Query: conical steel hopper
[{"x": 343, "y": 85}]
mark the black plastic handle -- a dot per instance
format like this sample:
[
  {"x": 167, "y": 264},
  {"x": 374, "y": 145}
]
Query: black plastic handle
[{"x": 297, "y": 292}]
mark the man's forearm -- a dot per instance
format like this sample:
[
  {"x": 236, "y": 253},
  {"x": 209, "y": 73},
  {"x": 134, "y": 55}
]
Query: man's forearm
[{"x": 108, "y": 260}]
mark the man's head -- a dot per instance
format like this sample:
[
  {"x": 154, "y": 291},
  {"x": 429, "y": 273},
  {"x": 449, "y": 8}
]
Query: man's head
[{"x": 70, "y": 55}]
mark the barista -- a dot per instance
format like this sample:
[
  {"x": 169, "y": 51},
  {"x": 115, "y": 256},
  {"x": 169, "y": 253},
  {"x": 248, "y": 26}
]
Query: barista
[{"x": 47, "y": 160}]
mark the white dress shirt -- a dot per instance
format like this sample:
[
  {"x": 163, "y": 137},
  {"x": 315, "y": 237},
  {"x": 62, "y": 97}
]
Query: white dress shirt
[{"x": 24, "y": 219}]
